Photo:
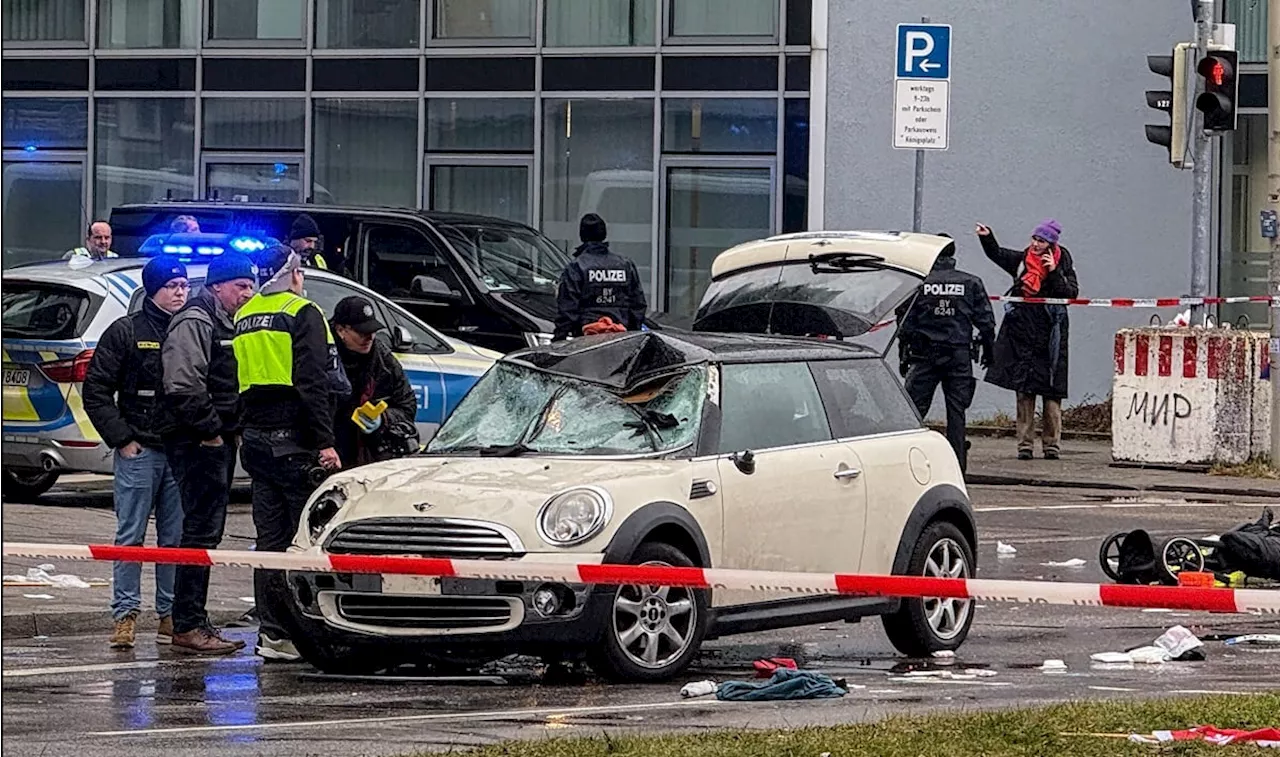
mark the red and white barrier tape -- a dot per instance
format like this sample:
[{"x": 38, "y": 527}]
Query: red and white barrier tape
[
  {"x": 1252, "y": 601},
  {"x": 1161, "y": 302}
]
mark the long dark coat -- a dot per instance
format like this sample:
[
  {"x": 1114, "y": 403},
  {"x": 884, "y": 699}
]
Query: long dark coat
[{"x": 1024, "y": 359}]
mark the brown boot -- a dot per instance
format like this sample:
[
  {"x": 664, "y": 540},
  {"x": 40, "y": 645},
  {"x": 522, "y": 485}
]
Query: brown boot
[
  {"x": 217, "y": 634},
  {"x": 125, "y": 630},
  {"x": 164, "y": 634},
  {"x": 200, "y": 641}
]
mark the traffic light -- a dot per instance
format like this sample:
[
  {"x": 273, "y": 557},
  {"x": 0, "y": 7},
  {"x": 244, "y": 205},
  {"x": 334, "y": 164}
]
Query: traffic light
[
  {"x": 1221, "y": 87},
  {"x": 1172, "y": 101}
]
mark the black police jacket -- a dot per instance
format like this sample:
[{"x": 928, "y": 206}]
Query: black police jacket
[
  {"x": 124, "y": 386},
  {"x": 201, "y": 379},
  {"x": 949, "y": 307},
  {"x": 375, "y": 376},
  {"x": 599, "y": 283}
]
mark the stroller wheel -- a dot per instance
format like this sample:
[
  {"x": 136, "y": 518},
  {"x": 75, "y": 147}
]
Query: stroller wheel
[
  {"x": 1179, "y": 555},
  {"x": 1109, "y": 555}
]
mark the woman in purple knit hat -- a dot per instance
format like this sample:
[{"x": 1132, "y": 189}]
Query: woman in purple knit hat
[{"x": 1031, "y": 349}]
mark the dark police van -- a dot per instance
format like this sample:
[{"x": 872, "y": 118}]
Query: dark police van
[{"x": 487, "y": 281}]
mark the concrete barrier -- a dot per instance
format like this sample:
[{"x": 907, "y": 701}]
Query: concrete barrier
[{"x": 1183, "y": 396}]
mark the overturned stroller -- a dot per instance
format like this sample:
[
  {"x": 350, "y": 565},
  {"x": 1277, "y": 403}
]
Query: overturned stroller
[{"x": 1248, "y": 552}]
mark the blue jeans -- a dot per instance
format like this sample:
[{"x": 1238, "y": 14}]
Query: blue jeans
[{"x": 143, "y": 483}]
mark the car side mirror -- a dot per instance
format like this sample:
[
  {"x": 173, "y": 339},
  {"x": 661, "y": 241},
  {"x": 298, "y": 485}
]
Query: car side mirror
[
  {"x": 745, "y": 461},
  {"x": 431, "y": 288},
  {"x": 401, "y": 339}
]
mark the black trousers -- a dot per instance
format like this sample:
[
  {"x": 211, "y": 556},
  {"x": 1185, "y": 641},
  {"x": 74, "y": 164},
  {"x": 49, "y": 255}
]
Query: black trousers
[
  {"x": 953, "y": 369},
  {"x": 281, "y": 487},
  {"x": 204, "y": 477}
]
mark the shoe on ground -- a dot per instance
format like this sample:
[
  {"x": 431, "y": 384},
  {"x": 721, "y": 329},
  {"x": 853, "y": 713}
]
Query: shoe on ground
[
  {"x": 1051, "y": 454},
  {"x": 200, "y": 641},
  {"x": 217, "y": 634},
  {"x": 126, "y": 629},
  {"x": 164, "y": 634},
  {"x": 1025, "y": 454},
  {"x": 281, "y": 650}
]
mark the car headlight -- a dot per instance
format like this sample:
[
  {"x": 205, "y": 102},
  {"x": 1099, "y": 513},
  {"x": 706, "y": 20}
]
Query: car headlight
[
  {"x": 574, "y": 516},
  {"x": 536, "y": 339},
  {"x": 323, "y": 510}
]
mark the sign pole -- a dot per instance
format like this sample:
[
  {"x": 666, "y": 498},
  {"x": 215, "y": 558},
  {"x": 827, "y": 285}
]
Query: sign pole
[{"x": 917, "y": 211}]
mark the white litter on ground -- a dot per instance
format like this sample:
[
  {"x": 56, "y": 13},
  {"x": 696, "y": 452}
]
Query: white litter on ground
[
  {"x": 1177, "y": 641},
  {"x": 43, "y": 576},
  {"x": 1157, "y": 610},
  {"x": 1074, "y": 562},
  {"x": 1258, "y": 639},
  {"x": 38, "y": 596},
  {"x": 1050, "y": 666},
  {"x": 945, "y": 653},
  {"x": 1005, "y": 550}
]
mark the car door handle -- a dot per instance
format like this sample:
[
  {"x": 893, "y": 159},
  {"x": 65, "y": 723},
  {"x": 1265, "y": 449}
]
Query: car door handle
[{"x": 847, "y": 473}]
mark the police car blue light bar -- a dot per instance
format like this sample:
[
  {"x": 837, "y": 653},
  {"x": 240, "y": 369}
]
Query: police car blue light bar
[{"x": 248, "y": 244}]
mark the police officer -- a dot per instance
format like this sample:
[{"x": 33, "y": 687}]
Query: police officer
[
  {"x": 304, "y": 239},
  {"x": 598, "y": 284},
  {"x": 936, "y": 343},
  {"x": 288, "y": 370},
  {"x": 121, "y": 395},
  {"x": 202, "y": 409},
  {"x": 375, "y": 374}
]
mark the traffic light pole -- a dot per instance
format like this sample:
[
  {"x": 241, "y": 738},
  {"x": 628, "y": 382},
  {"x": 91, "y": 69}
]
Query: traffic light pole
[
  {"x": 1273, "y": 195},
  {"x": 1202, "y": 179}
]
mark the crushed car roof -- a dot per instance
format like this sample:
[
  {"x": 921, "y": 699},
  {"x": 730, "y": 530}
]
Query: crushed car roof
[{"x": 625, "y": 361}]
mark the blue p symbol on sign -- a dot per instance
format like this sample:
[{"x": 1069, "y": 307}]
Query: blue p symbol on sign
[{"x": 924, "y": 51}]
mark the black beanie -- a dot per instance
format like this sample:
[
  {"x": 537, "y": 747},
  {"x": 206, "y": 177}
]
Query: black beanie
[
  {"x": 159, "y": 271},
  {"x": 303, "y": 226},
  {"x": 592, "y": 228}
]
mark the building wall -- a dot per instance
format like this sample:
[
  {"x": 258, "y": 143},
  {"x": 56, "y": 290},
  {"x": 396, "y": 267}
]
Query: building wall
[{"x": 1047, "y": 115}]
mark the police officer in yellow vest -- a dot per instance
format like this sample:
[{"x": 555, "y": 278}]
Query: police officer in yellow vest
[{"x": 290, "y": 375}]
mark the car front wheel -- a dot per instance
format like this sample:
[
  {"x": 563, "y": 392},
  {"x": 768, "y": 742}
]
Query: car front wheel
[
  {"x": 652, "y": 633},
  {"x": 25, "y": 485},
  {"x": 924, "y": 626}
]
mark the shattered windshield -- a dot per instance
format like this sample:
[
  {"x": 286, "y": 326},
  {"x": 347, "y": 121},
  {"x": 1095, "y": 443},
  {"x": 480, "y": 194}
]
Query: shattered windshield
[{"x": 514, "y": 410}]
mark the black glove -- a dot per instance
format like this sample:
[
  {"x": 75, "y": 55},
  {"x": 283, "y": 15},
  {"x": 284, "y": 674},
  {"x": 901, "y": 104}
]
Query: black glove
[
  {"x": 986, "y": 356},
  {"x": 903, "y": 368}
]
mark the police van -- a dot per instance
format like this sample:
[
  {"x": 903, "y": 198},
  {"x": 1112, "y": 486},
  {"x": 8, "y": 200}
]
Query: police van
[{"x": 55, "y": 312}]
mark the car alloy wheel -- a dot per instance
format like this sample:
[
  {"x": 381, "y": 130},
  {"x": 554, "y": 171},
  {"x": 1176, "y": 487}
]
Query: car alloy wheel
[
  {"x": 654, "y": 625},
  {"x": 947, "y": 617}
]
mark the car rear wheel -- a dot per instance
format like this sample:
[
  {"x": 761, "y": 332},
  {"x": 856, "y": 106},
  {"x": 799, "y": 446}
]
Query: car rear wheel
[
  {"x": 26, "y": 484},
  {"x": 924, "y": 626},
  {"x": 652, "y": 633}
]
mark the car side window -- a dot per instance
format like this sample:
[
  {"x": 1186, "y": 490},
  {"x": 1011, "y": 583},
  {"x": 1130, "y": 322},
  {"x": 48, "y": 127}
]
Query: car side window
[
  {"x": 399, "y": 254},
  {"x": 326, "y": 294},
  {"x": 424, "y": 342},
  {"x": 863, "y": 398},
  {"x": 767, "y": 405}
]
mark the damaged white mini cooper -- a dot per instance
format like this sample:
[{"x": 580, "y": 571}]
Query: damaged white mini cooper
[{"x": 772, "y": 436}]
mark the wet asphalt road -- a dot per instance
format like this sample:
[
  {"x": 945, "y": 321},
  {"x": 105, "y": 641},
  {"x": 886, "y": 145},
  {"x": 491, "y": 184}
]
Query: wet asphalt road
[{"x": 61, "y": 695}]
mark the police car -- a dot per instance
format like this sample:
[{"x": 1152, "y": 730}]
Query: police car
[{"x": 55, "y": 312}]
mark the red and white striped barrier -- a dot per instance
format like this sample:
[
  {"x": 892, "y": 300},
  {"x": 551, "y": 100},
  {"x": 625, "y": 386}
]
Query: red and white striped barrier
[
  {"x": 1160, "y": 302},
  {"x": 1252, "y": 601}
]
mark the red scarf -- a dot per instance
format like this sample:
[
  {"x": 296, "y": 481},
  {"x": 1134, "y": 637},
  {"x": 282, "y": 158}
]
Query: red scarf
[{"x": 1036, "y": 271}]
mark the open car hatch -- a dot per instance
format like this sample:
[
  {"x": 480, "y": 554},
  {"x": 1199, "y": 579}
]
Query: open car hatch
[{"x": 837, "y": 284}]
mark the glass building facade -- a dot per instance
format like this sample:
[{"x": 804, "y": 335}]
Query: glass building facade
[{"x": 684, "y": 123}]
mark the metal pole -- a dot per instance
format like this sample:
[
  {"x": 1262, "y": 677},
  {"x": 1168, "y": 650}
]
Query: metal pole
[
  {"x": 917, "y": 210},
  {"x": 1273, "y": 196},
  {"x": 1202, "y": 203}
]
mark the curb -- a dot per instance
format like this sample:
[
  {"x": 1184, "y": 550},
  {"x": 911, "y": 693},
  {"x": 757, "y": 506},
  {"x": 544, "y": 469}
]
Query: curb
[
  {"x": 1003, "y": 432},
  {"x": 23, "y": 625},
  {"x": 981, "y": 479}
]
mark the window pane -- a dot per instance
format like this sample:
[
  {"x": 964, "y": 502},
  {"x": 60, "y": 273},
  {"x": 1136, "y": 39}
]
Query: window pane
[
  {"x": 145, "y": 151},
  {"x": 140, "y": 24},
  {"x": 600, "y": 23},
  {"x": 795, "y": 166},
  {"x": 864, "y": 398},
  {"x": 480, "y": 125},
  {"x": 37, "y": 123},
  {"x": 398, "y": 254},
  {"x": 256, "y": 19},
  {"x": 599, "y": 159},
  {"x": 366, "y": 23},
  {"x": 770, "y": 405},
  {"x": 724, "y": 18},
  {"x": 366, "y": 151},
  {"x": 484, "y": 19},
  {"x": 44, "y": 20},
  {"x": 254, "y": 182},
  {"x": 42, "y": 218},
  {"x": 501, "y": 191},
  {"x": 253, "y": 124},
  {"x": 720, "y": 126}
]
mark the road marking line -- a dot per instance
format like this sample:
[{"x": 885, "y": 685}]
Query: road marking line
[
  {"x": 440, "y": 716},
  {"x": 1117, "y": 506},
  {"x": 106, "y": 666},
  {"x": 1110, "y": 688}
]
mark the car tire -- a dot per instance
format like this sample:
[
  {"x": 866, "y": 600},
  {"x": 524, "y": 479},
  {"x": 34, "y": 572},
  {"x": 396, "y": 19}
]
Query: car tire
[
  {"x": 25, "y": 485},
  {"x": 640, "y": 616},
  {"x": 921, "y": 626}
]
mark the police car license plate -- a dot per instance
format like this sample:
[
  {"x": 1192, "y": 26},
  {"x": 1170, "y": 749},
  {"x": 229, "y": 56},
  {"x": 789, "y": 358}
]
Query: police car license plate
[
  {"x": 16, "y": 377},
  {"x": 420, "y": 585}
]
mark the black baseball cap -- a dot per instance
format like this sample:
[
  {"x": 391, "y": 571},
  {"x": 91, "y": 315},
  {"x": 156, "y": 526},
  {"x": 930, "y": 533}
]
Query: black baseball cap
[{"x": 356, "y": 313}]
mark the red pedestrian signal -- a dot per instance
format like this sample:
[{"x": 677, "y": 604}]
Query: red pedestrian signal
[{"x": 1221, "y": 88}]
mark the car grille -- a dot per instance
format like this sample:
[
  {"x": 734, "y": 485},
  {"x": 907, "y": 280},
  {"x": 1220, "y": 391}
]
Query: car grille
[
  {"x": 434, "y": 613},
  {"x": 424, "y": 537}
]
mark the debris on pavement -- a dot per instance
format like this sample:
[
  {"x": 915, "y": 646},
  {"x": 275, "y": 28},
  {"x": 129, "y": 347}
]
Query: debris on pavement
[
  {"x": 767, "y": 667},
  {"x": 38, "y": 596},
  {"x": 1181, "y": 644},
  {"x": 698, "y": 689},
  {"x": 44, "y": 576},
  {"x": 1255, "y": 639},
  {"x": 1005, "y": 550},
  {"x": 1052, "y": 666},
  {"x": 1074, "y": 562},
  {"x": 944, "y": 654},
  {"x": 786, "y": 684},
  {"x": 1265, "y": 737},
  {"x": 1141, "y": 656}
]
